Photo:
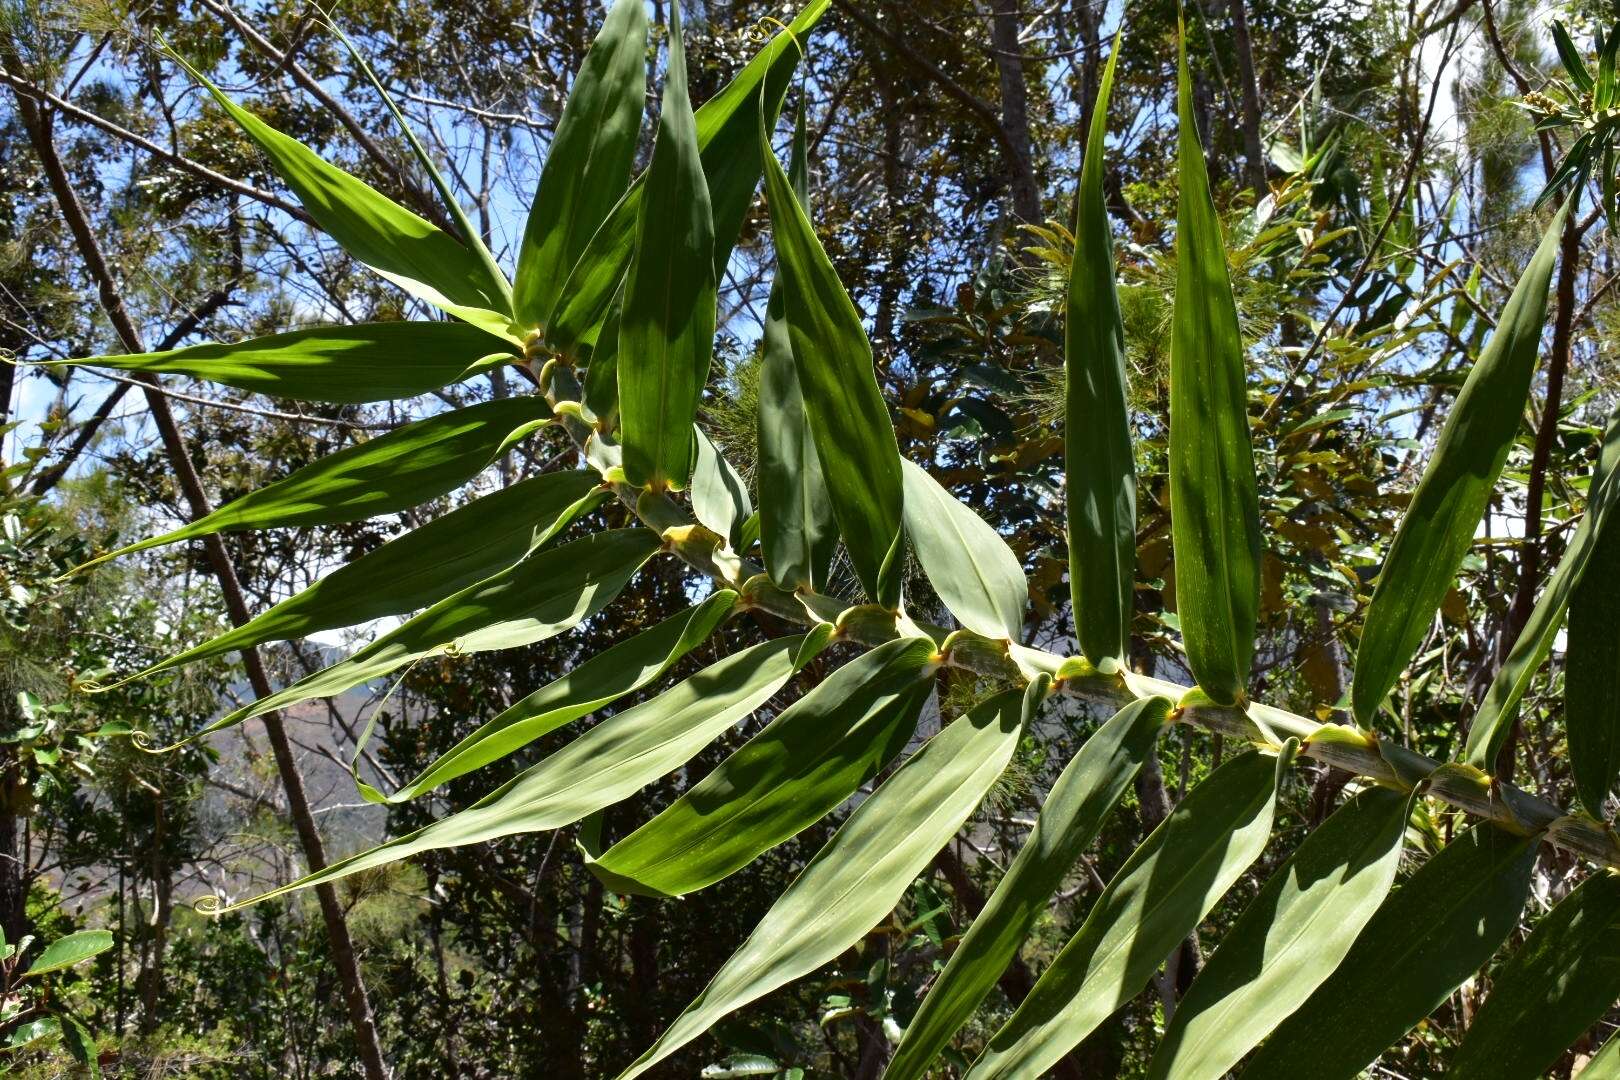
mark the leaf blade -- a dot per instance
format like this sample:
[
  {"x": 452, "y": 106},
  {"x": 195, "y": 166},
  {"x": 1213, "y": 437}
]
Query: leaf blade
[
  {"x": 849, "y": 421},
  {"x": 1099, "y": 461},
  {"x": 666, "y": 327},
  {"x": 1535, "y": 642},
  {"x": 803, "y": 764},
  {"x": 971, "y": 567},
  {"x": 1439, "y": 523},
  {"x": 1164, "y": 890},
  {"x": 346, "y": 365},
  {"x": 859, "y": 876},
  {"x": 1554, "y": 987},
  {"x": 587, "y": 169},
  {"x": 1289, "y": 939},
  {"x": 1437, "y": 929},
  {"x": 1215, "y": 515},
  {"x": 1089, "y": 787},
  {"x": 726, "y": 132}
]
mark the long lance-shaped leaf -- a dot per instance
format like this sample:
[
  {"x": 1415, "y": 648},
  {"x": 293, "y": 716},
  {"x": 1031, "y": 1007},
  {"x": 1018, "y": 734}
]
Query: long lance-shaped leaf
[
  {"x": 803, "y": 765},
  {"x": 412, "y": 253},
  {"x": 601, "y": 680},
  {"x": 1214, "y": 501},
  {"x": 797, "y": 531},
  {"x": 1162, "y": 892},
  {"x": 719, "y": 496},
  {"x": 588, "y": 168},
  {"x": 1557, "y": 985},
  {"x": 1433, "y": 932},
  {"x": 1440, "y": 521},
  {"x": 666, "y": 329},
  {"x": 1289, "y": 939},
  {"x": 970, "y": 566},
  {"x": 610, "y": 762},
  {"x": 1592, "y": 675},
  {"x": 408, "y": 466},
  {"x": 1099, "y": 464},
  {"x": 854, "y": 436},
  {"x": 546, "y": 594},
  {"x": 1605, "y": 1065},
  {"x": 866, "y": 867},
  {"x": 421, "y": 567},
  {"x": 728, "y": 136},
  {"x": 343, "y": 364},
  {"x": 1495, "y": 717},
  {"x": 447, "y": 196},
  {"x": 602, "y": 373},
  {"x": 1081, "y": 799}
]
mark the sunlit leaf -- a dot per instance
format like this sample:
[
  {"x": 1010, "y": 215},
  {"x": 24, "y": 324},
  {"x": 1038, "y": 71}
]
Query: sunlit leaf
[
  {"x": 69, "y": 950},
  {"x": 970, "y": 566},
  {"x": 1099, "y": 462},
  {"x": 797, "y": 529},
  {"x": 728, "y": 135},
  {"x": 1439, "y": 524},
  {"x": 1162, "y": 892},
  {"x": 420, "y": 567},
  {"x": 610, "y": 762},
  {"x": 404, "y": 468},
  {"x": 546, "y": 594},
  {"x": 861, "y": 874},
  {"x": 1554, "y": 987},
  {"x": 414, "y": 254},
  {"x": 1494, "y": 719},
  {"x": 343, "y": 364},
  {"x": 1070, "y": 817},
  {"x": 1214, "y": 500},
  {"x": 854, "y": 437},
  {"x": 666, "y": 327},
  {"x": 1432, "y": 932},
  {"x": 806, "y": 762},
  {"x": 588, "y": 167},
  {"x": 600, "y": 680},
  {"x": 1289, "y": 939}
]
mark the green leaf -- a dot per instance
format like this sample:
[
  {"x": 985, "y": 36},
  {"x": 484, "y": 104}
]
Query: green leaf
[
  {"x": 343, "y": 364},
  {"x": 1074, "y": 811},
  {"x": 1289, "y": 939},
  {"x": 1535, "y": 642},
  {"x": 65, "y": 952},
  {"x": 588, "y": 167},
  {"x": 610, "y": 762},
  {"x": 80, "y": 1044},
  {"x": 604, "y": 678},
  {"x": 727, "y": 133},
  {"x": 1099, "y": 462},
  {"x": 1592, "y": 672},
  {"x": 1557, "y": 985},
  {"x": 1214, "y": 501},
  {"x": 412, "y": 253},
  {"x": 719, "y": 496},
  {"x": 420, "y": 567},
  {"x": 856, "y": 880},
  {"x": 797, "y": 529},
  {"x": 602, "y": 373},
  {"x": 1603, "y": 90},
  {"x": 1162, "y": 892},
  {"x": 801, "y": 766},
  {"x": 970, "y": 566},
  {"x": 1571, "y": 57},
  {"x": 1439, "y": 523},
  {"x": 546, "y": 594},
  {"x": 1433, "y": 932},
  {"x": 408, "y": 466},
  {"x": 666, "y": 329},
  {"x": 1605, "y": 1065},
  {"x": 854, "y": 436}
]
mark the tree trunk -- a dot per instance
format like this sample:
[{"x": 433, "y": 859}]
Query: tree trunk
[
  {"x": 1005, "y": 18},
  {"x": 1253, "y": 153}
]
